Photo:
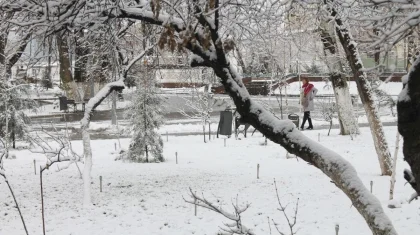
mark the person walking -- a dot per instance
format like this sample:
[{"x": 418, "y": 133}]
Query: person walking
[{"x": 309, "y": 93}]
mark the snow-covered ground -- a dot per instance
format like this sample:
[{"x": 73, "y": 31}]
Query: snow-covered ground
[{"x": 148, "y": 198}]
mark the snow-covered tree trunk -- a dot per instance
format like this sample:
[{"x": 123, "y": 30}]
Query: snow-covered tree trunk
[
  {"x": 394, "y": 167},
  {"x": 87, "y": 149},
  {"x": 347, "y": 119},
  {"x": 408, "y": 107},
  {"x": 365, "y": 91}
]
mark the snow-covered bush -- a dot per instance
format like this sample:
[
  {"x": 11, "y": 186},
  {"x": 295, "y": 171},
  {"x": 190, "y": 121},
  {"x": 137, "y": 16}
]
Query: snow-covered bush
[{"x": 13, "y": 100}]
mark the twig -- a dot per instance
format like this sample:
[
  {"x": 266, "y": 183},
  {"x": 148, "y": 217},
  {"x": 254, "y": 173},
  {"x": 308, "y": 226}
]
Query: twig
[
  {"x": 17, "y": 205},
  {"x": 282, "y": 208}
]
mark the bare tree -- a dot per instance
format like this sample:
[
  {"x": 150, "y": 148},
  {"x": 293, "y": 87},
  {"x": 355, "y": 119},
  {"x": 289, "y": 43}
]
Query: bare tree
[
  {"x": 290, "y": 221},
  {"x": 348, "y": 123},
  {"x": 364, "y": 88},
  {"x": 200, "y": 33},
  {"x": 200, "y": 106},
  {"x": 328, "y": 110},
  {"x": 236, "y": 226}
]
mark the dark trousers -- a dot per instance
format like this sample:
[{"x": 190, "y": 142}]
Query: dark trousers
[{"x": 306, "y": 116}]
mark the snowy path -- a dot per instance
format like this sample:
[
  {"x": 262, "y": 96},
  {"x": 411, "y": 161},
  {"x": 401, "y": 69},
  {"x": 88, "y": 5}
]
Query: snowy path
[{"x": 147, "y": 198}]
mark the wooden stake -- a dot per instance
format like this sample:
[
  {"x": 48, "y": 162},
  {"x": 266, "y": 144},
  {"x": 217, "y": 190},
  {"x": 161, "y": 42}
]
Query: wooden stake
[
  {"x": 258, "y": 171},
  {"x": 371, "y": 186},
  {"x": 195, "y": 205},
  {"x": 319, "y": 137},
  {"x": 225, "y": 142},
  {"x": 337, "y": 228},
  {"x": 115, "y": 146},
  {"x": 176, "y": 157},
  {"x": 42, "y": 201},
  {"x": 100, "y": 184},
  {"x": 35, "y": 166}
]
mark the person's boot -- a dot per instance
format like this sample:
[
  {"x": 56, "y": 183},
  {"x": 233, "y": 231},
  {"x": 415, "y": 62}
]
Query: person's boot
[{"x": 310, "y": 124}]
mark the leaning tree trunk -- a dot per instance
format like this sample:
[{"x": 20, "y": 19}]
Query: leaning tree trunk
[
  {"x": 90, "y": 107},
  {"x": 87, "y": 149},
  {"x": 408, "y": 107},
  {"x": 365, "y": 92},
  {"x": 347, "y": 119}
]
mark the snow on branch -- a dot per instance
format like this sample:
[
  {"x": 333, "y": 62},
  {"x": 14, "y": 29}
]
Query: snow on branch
[
  {"x": 392, "y": 20},
  {"x": 148, "y": 16},
  {"x": 98, "y": 98}
]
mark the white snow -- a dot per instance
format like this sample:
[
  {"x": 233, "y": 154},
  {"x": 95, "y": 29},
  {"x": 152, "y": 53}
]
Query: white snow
[
  {"x": 149, "y": 197},
  {"x": 95, "y": 100},
  {"x": 403, "y": 96}
]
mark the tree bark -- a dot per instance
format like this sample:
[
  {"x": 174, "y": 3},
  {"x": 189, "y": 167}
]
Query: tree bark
[
  {"x": 81, "y": 62},
  {"x": 241, "y": 61},
  {"x": 365, "y": 92},
  {"x": 64, "y": 60},
  {"x": 347, "y": 119}
]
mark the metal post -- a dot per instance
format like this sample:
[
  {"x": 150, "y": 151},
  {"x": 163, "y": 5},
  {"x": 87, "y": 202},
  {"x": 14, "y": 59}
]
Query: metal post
[
  {"x": 225, "y": 142},
  {"x": 100, "y": 184},
  {"x": 337, "y": 228},
  {"x": 371, "y": 186},
  {"x": 35, "y": 166},
  {"x": 167, "y": 137},
  {"x": 176, "y": 157}
]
